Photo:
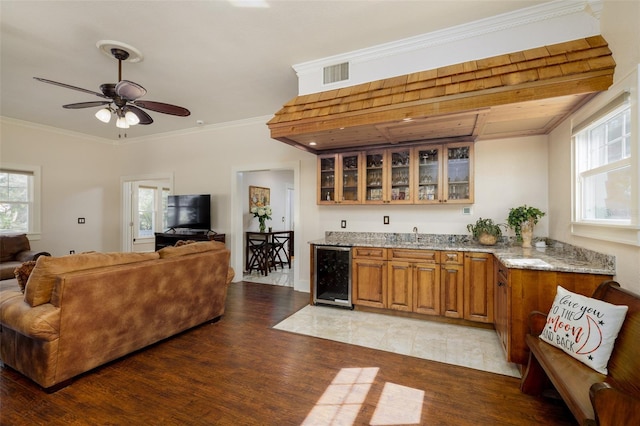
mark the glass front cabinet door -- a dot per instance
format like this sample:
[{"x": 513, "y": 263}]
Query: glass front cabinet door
[
  {"x": 375, "y": 192},
  {"x": 458, "y": 169},
  {"x": 400, "y": 176},
  {"x": 339, "y": 179},
  {"x": 429, "y": 171},
  {"x": 444, "y": 173},
  {"x": 388, "y": 176},
  {"x": 350, "y": 187}
]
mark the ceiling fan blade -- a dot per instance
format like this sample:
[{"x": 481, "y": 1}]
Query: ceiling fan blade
[
  {"x": 142, "y": 116},
  {"x": 163, "y": 108},
  {"x": 68, "y": 86},
  {"x": 129, "y": 90},
  {"x": 86, "y": 104}
]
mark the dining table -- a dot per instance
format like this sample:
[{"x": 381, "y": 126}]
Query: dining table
[{"x": 268, "y": 249}]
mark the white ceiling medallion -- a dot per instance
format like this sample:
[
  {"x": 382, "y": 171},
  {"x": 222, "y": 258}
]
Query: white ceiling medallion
[{"x": 105, "y": 47}]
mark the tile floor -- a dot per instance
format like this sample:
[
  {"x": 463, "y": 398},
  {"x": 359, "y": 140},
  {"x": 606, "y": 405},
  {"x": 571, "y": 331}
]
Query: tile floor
[
  {"x": 281, "y": 276},
  {"x": 471, "y": 347}
]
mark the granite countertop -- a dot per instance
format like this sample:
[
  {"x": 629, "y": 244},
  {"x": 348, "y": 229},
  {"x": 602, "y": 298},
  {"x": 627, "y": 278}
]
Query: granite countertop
[{"x": 558, "y": 256}]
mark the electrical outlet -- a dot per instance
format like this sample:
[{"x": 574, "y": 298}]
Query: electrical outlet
[
  {"x": 72, "y": 252},
  {"x": 343, "y": 224},
  {"x": 466, "y": 210},
  {"x": 385, "y": 220},
  {"x": 81, "y": 220}
]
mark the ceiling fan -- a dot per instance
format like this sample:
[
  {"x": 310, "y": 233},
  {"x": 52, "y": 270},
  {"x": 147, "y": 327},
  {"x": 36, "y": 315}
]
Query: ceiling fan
[{"x": 122, "y": 99}]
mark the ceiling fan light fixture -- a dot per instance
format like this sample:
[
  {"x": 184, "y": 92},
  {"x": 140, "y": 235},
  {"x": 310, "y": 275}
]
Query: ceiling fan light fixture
[
  {"x": 132, "y": 118},
  {"x": 121, "y": 99},
  {"x": 104, "y": 115},
  {"x": 121, "y": 123}
]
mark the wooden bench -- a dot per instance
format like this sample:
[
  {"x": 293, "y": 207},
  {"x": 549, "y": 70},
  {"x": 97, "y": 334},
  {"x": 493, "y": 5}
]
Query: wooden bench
[{"x": 592, "y": 397}]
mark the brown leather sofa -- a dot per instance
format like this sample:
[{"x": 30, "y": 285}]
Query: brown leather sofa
[
  {"x": 81, "y": 311},
  {"x": 14, "y": 250}
]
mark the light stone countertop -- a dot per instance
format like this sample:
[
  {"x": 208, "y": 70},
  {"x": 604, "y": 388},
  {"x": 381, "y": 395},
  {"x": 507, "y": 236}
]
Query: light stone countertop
[{"x": 558, "y": 256}]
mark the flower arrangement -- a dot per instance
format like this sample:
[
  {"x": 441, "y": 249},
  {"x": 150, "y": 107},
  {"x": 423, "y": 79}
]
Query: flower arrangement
[{"x": 262, "y": 213}]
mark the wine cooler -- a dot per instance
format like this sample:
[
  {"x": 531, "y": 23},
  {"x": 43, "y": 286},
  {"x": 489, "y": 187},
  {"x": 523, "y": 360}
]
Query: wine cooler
[{"x": 332, "y": 277}]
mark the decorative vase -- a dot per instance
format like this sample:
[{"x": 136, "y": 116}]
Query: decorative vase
[
  {"x": 487, "y": 239},
  {"x": 526, "y": 232},
  {"x": 262, "y": 225}
]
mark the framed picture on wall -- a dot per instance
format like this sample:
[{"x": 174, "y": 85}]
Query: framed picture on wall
[{"x": 259, "y": 196}]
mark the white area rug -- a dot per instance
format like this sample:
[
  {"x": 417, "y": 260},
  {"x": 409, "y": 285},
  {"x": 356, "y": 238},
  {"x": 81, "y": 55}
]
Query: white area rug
[{"x": 471, "y": 347}]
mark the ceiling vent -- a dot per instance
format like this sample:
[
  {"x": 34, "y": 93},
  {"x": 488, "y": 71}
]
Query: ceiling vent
[{"x": 335, "y": 73}]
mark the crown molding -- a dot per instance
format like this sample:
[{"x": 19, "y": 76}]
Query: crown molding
[
  {"x": 192, "y": 130},
  {"x": 539, "y": 13},
  {"x": 57, "y": 130},
  {"x": 124, "y": 141}
]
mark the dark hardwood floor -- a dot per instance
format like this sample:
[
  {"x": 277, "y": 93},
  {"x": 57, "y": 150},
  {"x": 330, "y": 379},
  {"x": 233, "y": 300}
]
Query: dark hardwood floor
[{"x": 239, "y": 371}]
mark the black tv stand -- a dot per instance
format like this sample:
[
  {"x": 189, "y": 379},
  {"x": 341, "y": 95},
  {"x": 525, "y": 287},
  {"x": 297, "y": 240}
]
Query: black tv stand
[{"x": 164, "y": 239}]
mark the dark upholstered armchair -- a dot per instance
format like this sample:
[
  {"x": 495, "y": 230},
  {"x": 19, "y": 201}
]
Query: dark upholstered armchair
[{"x": 14, "y": 250}]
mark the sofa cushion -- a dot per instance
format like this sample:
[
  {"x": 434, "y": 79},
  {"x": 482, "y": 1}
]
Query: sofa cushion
[
  {"x": 23, "y": 272},
  {"x": 183, "y": 250},
  {"x": 7, "y": 270},
  {"x": 583, "y": 327},
  {"x": 42, "y": 279},
  {"x": 10, "y": 245},
  {"x": 9, "y": 289}
]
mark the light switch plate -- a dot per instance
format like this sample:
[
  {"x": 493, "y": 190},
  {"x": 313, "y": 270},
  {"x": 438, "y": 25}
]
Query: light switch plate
[{"x": 466, "y": 210}]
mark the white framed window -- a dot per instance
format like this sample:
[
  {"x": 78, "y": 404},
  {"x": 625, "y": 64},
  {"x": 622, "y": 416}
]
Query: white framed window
[
  {"x": 606, "y": 161},
  {"x": 603, "y": 167},
  {"x": 20, "y": 199}
]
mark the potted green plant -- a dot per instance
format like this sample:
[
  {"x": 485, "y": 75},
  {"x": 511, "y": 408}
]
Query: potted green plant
[
  {"x": 485, "y": 231},
  {"x": 521, "y": 220}
]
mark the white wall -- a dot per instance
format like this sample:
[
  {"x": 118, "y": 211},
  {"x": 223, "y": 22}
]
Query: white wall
[
  {"x": 206, "y": 161},
  {"x": 80, "y": 178},
  {"x": 545, "y": 24},
  {"x": 508, "y": 173},
  {"x": 620, "y": 28},
  {"x": 619, "y": 23},
  {"x": 277, "y": 181},
  {"x": 560, "y": 159}
]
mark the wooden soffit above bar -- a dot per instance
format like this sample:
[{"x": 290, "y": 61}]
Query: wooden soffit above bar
[{"x": 516, "y": 94}]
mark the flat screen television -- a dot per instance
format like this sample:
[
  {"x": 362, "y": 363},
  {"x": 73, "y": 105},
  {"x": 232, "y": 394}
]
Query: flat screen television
[{"x": 189, "y": 211}]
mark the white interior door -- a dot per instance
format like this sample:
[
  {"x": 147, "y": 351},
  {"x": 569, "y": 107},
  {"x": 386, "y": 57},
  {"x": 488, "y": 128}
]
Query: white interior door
[
  {"x": 290, "y": 196},
  {"x": 143, "y": 211}
]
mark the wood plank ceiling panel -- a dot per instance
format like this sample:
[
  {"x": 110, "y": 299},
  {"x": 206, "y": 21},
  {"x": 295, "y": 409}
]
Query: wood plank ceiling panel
[{"x": 520, "y": 93}]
